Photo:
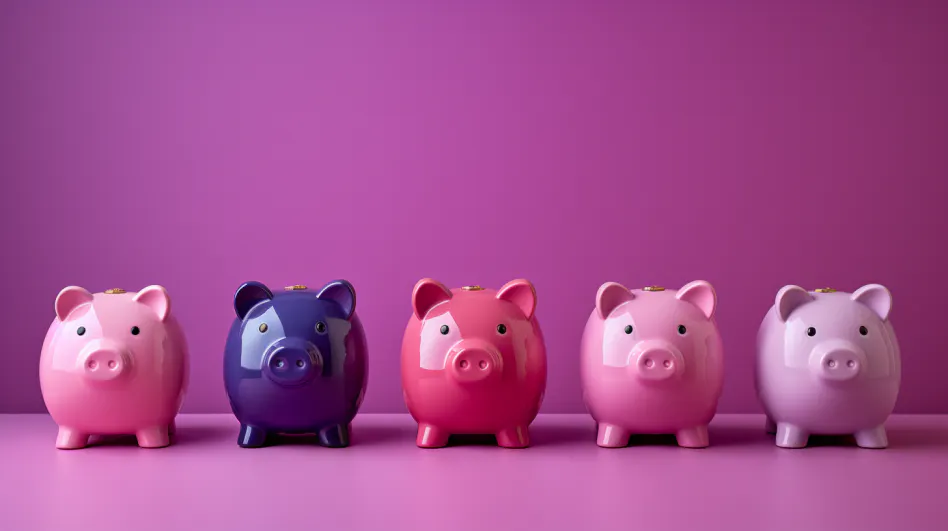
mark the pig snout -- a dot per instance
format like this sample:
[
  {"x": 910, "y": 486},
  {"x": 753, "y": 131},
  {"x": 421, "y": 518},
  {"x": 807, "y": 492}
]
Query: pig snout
[
  {"x": 104, "y": 360},
  {"x": 474, "y": 361},
  {"x": 837, "y": 361},
  {"x": 292, "y": 362},
  {"x": 656, "y": 360}
]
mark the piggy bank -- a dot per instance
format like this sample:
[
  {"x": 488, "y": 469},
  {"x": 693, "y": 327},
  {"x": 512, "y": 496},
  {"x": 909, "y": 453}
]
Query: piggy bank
[
  {"x": 828, "y": 364},
  {"x": 296, "y": 362},
  {"x": 652, "y": 363},
  {"x": 473, "y": 362},
  {"x": 114, "y": 363}
]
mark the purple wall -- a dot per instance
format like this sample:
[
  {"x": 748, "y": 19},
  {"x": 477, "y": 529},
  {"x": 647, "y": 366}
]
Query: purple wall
[{"x": 751, "y": 144}]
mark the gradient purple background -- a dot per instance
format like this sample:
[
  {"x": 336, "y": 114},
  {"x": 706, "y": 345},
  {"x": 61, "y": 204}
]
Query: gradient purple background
[{"x": 751, "y": 144}]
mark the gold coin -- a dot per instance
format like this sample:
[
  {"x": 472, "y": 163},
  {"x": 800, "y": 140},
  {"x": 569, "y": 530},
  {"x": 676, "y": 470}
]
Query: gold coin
[
  {"x": 114, "y": 291},
  {"x": 653, "y": 288},
  {"x": 472, "y": 288},
  {"x": 825, "y": 290},
  {"x": 295, "y": 287}
]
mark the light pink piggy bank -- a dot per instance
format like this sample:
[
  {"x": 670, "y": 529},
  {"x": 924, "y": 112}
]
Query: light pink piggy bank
[
  {"x": 652, "y": 363},
  {"x": 473, "y": 362},
  {"x": 114, "y": 363},
  {"x": 828, "y": 364}
]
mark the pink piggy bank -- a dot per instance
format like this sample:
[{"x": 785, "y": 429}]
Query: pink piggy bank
[
  {"x": 473, "y": 362},
  {"x": 114, "y": 363},
  {"x": 828, "y": 364},
  {"x": 652, "y": 363}
]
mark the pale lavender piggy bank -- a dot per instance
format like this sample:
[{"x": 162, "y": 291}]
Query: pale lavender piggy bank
[{"x": 828, "y": 364}]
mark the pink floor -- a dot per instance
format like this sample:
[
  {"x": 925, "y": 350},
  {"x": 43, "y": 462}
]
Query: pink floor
[{"x": 206, "y": 482}]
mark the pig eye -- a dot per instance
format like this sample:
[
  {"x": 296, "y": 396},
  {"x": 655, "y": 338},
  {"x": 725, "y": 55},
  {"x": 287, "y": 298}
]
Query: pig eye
[
  {"x": 682, "y": 329},
  {"x": 628, "y": 329},
  {"x": 501, "y": 329},
  {"x": 263, "y": 327},
  {"x": 444, "y": 330},
  {"x": 811, "y": 331},
  {"x": 81, "y": 330},
  {"x": 863, "y": 330},
  {"x": 135, "y": 330},
  {"x": 320, "y": 327}
]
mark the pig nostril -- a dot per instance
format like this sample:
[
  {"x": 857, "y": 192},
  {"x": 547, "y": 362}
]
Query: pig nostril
[
  {"x": 92, "y": 364},
  {"x": 279, "y": 364},
  {"x": 464, "y": 364},
  {"x": 850, "y": 364},
  {"x": 649, "y": 363},
  {"x": 831, "y": 363},
  {"x": 299, "y": 363},
  {"x": 112, "y": 364},
  {"x": 667, "y": 364},
  {"x": 482, "y": 364}
]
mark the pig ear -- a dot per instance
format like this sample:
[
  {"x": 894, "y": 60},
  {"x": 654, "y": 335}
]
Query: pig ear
[
  {"x": 426, "y": 294},
  {"x": 248, "y": 295},
  {"x": 790, "y": 298},
  {"x": 610, "y": 296},
  {"x": 521, "y": 293},
  {"x": 342, "y": 293},
  {"x": 156, "y": 298},
  {"x": 701, "y": 294},
  {"x": 69, "y": 299},
  {"x": 876, "y": 297}
]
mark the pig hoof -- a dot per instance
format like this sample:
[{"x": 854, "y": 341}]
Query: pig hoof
[
  {"x": 431, "y": 437},
  {"x": 770, "y": 426},
  {"x": 156, "y": 437},
  {"x": 334, "y": 437},
  {"x": 789, "y": 436},
  {"x": 872, "y": 438},
  {"x": 612, "y": 436},
  {"x": 517, "y": 437},
  {"x": 71, "y": 440},
  {"x": 250, "y": 437},
  {"x": 693, "y": 438}
]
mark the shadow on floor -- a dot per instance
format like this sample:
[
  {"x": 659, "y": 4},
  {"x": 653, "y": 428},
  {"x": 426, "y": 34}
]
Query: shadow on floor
[
  {"x": 183, "y": 435},
  {"x": 899, "y": 439},
  {"x": 583, "y": 434},
  {"x": 360, "y": 436}
]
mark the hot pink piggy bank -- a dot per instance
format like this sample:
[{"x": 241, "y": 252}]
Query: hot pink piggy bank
[
  {"x": 114, "y": 363},
  {"x": 473, "y": 362},
  {"x": 828, "y": 364},
  {"x": 652, "y": 363}
]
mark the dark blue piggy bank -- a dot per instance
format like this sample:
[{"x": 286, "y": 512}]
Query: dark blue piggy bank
[{"x": 295, "y": 362}]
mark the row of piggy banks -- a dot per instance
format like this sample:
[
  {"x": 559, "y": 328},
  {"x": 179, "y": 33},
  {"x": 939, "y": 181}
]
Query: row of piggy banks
[{"x": 473, "y": 362}]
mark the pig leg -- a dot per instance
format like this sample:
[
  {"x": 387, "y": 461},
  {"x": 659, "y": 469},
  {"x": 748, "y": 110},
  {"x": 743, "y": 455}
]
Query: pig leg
[
  {"x": 612, "y": 436},
  {"x": 171, "y": 429},
  {"x": 516, "y": 437},
  {"x": 250, "y": 437},
  {"x": 69, "y": 439},
  {"x": 696, "y": 437},
  {"x": 872, "y": 438},
  {"x": 431, "y": 437},
  {"x": 154, "y": 437},
  {"x": 790, "y": 436},
  {"x": 770, "y": 426},
  {"x": 334, "y": 436}
]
